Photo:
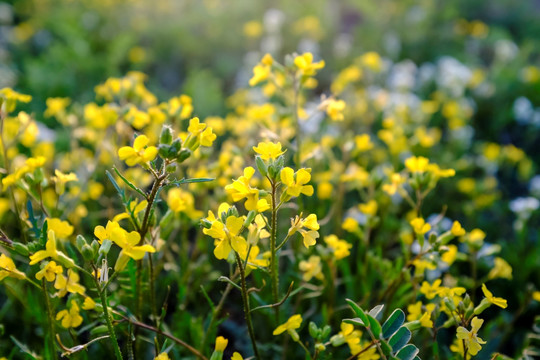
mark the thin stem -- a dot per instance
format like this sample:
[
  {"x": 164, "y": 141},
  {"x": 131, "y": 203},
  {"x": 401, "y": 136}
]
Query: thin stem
[
  {"x": 167, "y": 335},
  {"x": 273, "y": 250},
  {"x": 114, "y": 341},
  {"x": 215, "y": 315},
  {"x": 247, "y": 310},
  {"x": 305, "y": 349},
  {"x": 50, "y": 320}
]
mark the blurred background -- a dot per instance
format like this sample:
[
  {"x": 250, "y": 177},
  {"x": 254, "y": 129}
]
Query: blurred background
[{"x": 207, "y": 49}]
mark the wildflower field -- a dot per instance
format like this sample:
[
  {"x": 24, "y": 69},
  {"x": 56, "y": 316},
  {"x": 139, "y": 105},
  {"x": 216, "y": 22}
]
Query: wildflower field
[{"x": 269, "y": 179}]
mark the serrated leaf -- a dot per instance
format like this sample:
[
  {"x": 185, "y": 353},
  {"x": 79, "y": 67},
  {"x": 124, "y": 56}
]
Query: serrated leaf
[
  {"x": 393, "y": 323},
  {"x": 128, "y": 183},
  {"x": 358, "y": 311},
  {"x": 376, "y": 328},
  {"x": 408, "y": 352},
  {"x": 400, "y": 339},
  {"x": 376, "y": 311}
]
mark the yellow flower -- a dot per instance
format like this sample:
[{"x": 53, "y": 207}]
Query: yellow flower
[
  {"x": 471, "y": 339},
  {"x": 420, "y": 226},
  {"x": 268, "y": 150},
  {"x": 457, "y": 230},
  {"x": 372, "y": 60},
  {"x": 417, "y": 164},
  {"x": 306, "y": 65},
  {"x": 227, "y": 236},
  {"x": 262, "y": 71},
  {"x": 50, "y": 250},
  {"x": 105, "y": 233},
  {"x": 70, "y": 319},
  {"x": 207, "y": 137},
  {"x": 68, "y": 284},
  {"x": 350, "y": 225},
  {"x": 334, "y": 109},
  {"x": 450, "y": 256},
  {"x": 311, "y": 268},
  {"x": 62, "y": 229},
  {"x": 130, "y": 248},
  {"x": 162, "y": 356},
  {"x": 8, "y": 269},
  {"x": 221, "y": 343},
  {"x": 240, "y": 189},
  {"x": 139, "y": 153},
  {"x": 89, "y": 303},
  {"x": 56, "y": 106},
  {"x": 293, "y": 323},
  {"x": 340, "y": 247},
  {"x": 369, "y": 208},
  {"x": 310, "y": 222},
  {"x": 182, "y": 201},
  {"x": 501, "y": 269},
  {"x": 431, "y": 290},
  {"x": 363, "y": 142},
  {"x": 11, "y": 98},
  {"x": 295, "y": 183},
  {"x": 49, "y": 271},
  {"x": 236, "y": 356},
  {"x": 500, "y": 302}
]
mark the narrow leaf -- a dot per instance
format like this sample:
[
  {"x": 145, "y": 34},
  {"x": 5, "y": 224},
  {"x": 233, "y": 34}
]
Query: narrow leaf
[
  {"x": 375, "y": 327},
  {"x": 128, "y": 183},
  {"x": 358, "y": 311},
  {"x": 393, "y": 323},
  {"x": 116, "y": 186}
]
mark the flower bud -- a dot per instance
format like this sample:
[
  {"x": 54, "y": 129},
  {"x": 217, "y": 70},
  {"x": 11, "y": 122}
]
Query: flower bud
[
  {"x": 87, "y": 252},
  {"x": 263, "y": 169},
  {"x": 20, "y": 248},
  {"x": 166, "y": 135},
  {"x": 183, "y": 155}
]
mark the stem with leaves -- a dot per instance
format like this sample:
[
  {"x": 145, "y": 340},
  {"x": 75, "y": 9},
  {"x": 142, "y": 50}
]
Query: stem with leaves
[
  {"x": 50, "y": 321},
  {"x": 273, "y": 250}
]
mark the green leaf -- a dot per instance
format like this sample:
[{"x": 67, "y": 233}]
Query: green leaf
[
  {"x": 188, "y": 181},
  {"x": 393, "y": 323},
  {"x": 376, "y": 311},
  {"x": 375, "y": 326},
  {"x": 387, "y": 349},
  {"x": 116, "y": 186},
  {"x": 358, "y": 311},
  {"x": 400, "y": 339},
  {"x": 128, "y": 183},
  {"x": 407, "y": 353}
]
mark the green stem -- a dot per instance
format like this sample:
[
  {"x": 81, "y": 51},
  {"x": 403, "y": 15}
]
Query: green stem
[
  {"x": 273, "y": 250},
  {"x": 247, "y": 310},
  {"x": 114, "y": 341},
  {"x": 50, "y": 320}
]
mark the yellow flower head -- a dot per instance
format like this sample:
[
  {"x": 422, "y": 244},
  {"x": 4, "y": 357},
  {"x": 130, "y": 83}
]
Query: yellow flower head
[
  {"x": 457, "y": 229},
  {"x": 338, "y": 246},
  {"x": 71, "y": 318},
  {"x": 139, "y": 153},
  {"x": 68, "y": 284},
  {"x": 241, "y": 189},
  {"x": 500, "y": 302},
  {"x": 305, "y": 64},
  {"x": 268, "y": 150},
  {"x": 311, "y": 268},
  {"x": 227, "y": 236},
  {"x": 417, "y": 164},
  {"x": 221, "y": 343},
  {"x": 8, "y": 269},
  {"x": 310, "y": 222},
  {"x": 50, "y": 249},
  {"x": 295, "y": 182},
  {"x": 49, "y": 271},
  {"x": 420, "y": 226},
  {"x": 293, "y": 323},
  {"x": 471, "y": 339},
  {"x": 129, "y": 242}
]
